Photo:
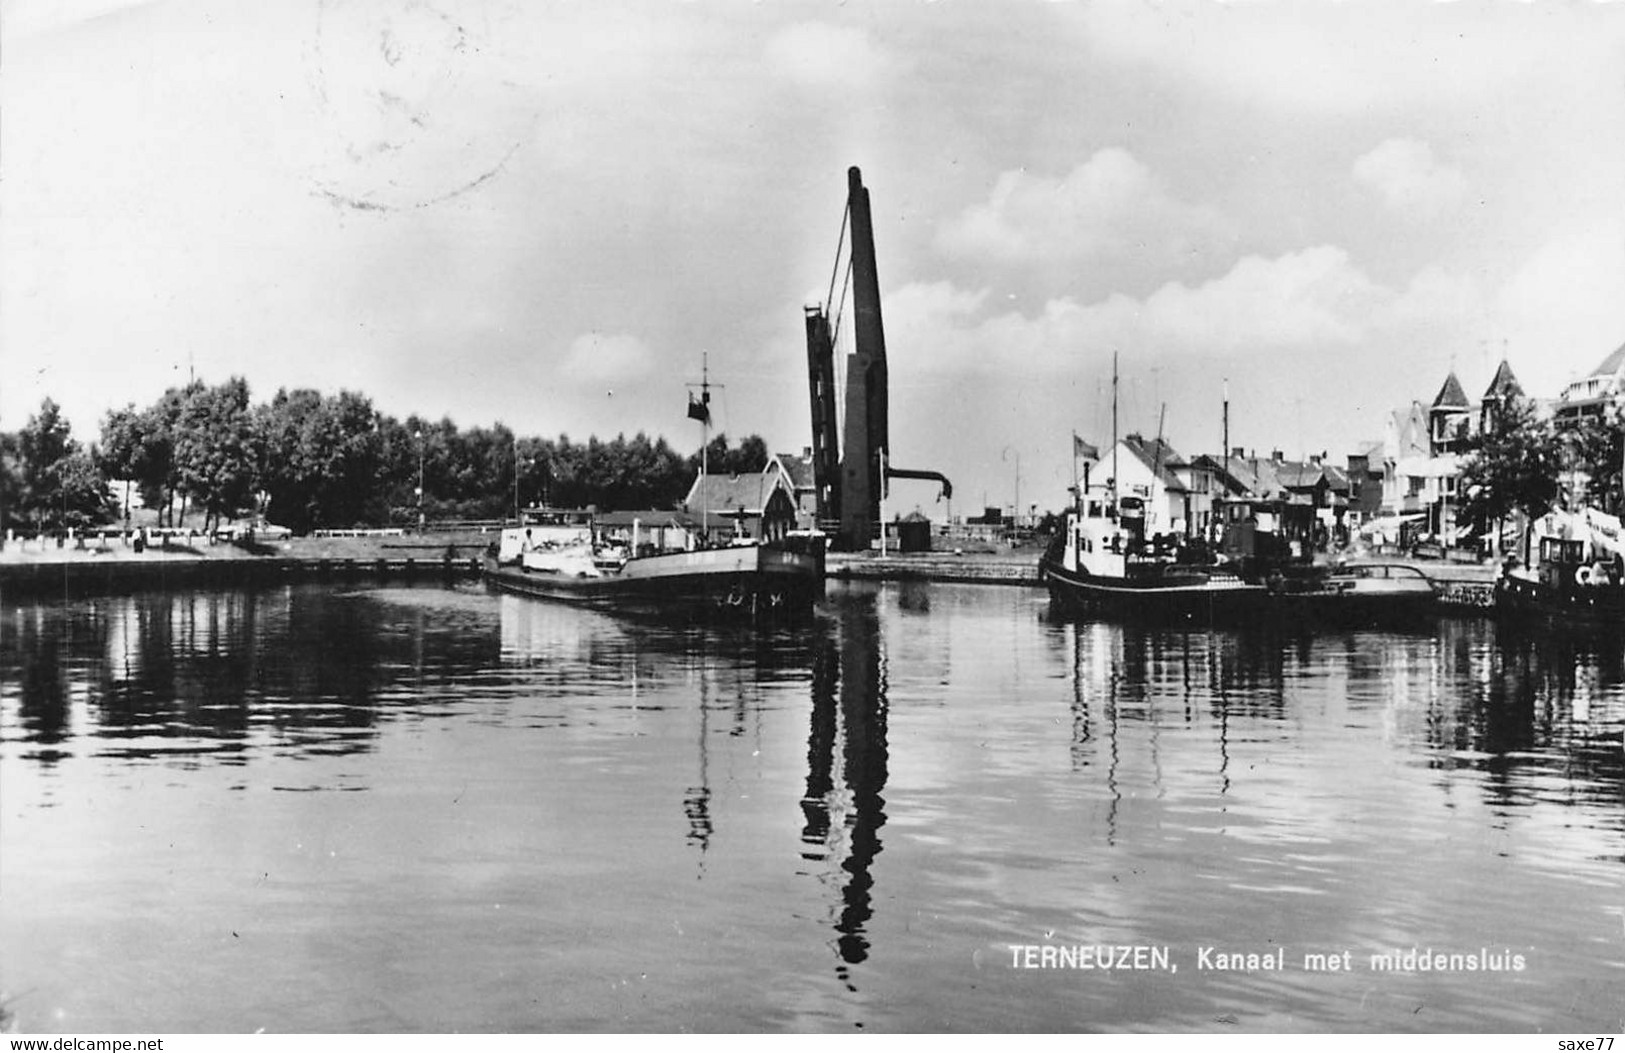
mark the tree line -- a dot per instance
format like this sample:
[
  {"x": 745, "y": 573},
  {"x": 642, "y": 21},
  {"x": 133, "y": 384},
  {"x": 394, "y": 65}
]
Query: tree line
[{"x": 306, "y": 461}]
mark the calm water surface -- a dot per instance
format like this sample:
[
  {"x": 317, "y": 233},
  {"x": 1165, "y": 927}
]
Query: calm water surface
[{"x": 427, "y": 809}]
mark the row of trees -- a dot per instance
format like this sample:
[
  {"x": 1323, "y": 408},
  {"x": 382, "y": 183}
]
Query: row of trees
[{"x": 306, "y": 460}]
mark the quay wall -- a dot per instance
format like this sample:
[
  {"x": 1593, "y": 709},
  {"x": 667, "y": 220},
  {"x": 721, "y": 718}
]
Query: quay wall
[
  {"x": 1461, "y": 585},
  {"x": 73, "y": 577},
  {"x": 986, "y": 570},
  {"x": 1467, "y": 596},
  {"x": 118, "y": 563}
]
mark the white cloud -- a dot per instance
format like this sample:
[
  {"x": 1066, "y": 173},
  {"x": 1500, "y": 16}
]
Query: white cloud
[
  {"x": 1314, "y": 299},
  {"x": 1404, "y": 173},
  {"x": 1309, "y": 298},
  {"x": 1110, "y": 205}
]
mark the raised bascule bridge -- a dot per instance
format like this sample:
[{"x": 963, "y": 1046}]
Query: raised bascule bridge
[{"x": 851, "y": 472}]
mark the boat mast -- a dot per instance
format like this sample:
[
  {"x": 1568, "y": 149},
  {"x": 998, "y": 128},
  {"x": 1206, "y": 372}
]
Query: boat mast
[
  {"x": 1077, "y": 495},
  {"x": 1156, "y": 459},
  {"x": 1112, "y": 495},
  {"x": 701, "y": 411},
  {"x": 705, "y": 440},
  {"x": 1224, "y": 459}
]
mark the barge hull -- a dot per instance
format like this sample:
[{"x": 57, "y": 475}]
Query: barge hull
[
  {"x": 747, "y": 582},
  {"x": 1206, "y": 599}
]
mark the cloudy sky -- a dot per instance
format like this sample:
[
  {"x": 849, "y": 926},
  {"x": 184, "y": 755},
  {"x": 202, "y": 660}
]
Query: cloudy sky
[{"x": 548, "y": 214}]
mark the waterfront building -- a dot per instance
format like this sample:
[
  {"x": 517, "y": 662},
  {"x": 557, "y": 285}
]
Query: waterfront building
[
  {"x": 796, "y": 472},
  {"x": 757, "y": 505},
  {"x": 1366, "y": 473},
  {"x": 1450, "y": 419},
  {"x": 1503, "y": 392},
  {"x": 1151, "y": 469},
  {"x": 1426, "y": 450},
  {"x": 1304, "y": 503},
  {"x": 1591, "y": 395}
]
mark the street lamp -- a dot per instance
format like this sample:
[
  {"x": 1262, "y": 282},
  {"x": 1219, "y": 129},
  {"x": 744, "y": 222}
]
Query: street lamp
[{"x": 418, "y": 435}]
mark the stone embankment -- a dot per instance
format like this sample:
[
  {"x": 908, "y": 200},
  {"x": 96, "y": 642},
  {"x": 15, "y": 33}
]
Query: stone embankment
[
  {"x": 124, "y": 561},
  {"x": 1465, "y": 587}
]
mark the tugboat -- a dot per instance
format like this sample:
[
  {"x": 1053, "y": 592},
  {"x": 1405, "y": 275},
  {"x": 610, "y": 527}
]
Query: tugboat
[
  {"x": 1101, "y": 562},
  {"x": 1574, "y": 575}
]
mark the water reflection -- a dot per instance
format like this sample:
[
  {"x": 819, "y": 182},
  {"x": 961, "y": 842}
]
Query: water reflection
[
  {"x": 182, "y": 676},
  {"x": 697, "y": 799},
  {"x": 842, "y": 821},
  {"x": 1466, "y": 695},
  {"x": 665, "y": 827}
]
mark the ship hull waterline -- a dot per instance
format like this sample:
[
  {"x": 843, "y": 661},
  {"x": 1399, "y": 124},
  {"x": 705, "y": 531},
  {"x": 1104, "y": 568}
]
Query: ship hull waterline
[
  {"x": 746, "y": 583},
  {"x": 1540, "y": 604},
  {"x": 1206, "y": 599}
]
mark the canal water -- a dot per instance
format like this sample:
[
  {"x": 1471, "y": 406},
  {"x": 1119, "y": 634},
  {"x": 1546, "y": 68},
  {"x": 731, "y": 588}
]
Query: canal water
[{"x": 940, "y": 807}]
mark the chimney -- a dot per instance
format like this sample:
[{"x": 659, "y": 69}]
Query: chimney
[
  {"x": 1277, "y": 456},
  {"x": 1238, "y": 451}
]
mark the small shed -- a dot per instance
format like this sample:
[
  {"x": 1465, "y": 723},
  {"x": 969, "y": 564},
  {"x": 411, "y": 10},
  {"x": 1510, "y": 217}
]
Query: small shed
[{"x": 914, "y": 533}]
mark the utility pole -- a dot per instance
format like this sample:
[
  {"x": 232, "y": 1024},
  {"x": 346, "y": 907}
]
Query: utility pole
[
  {"x": 883, "y": 488},
  {"x": 421, "y": 521},
  {"x": 1016, "y": 509}
]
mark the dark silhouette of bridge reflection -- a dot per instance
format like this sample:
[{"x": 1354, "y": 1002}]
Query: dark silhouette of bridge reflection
[{"x": 843, "y": 807}]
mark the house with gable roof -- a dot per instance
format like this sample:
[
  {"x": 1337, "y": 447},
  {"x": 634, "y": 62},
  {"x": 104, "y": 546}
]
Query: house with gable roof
[
  {"x": 1365, "y": 473},
  {"x": 1302, "y": 503},
  {"x": 1149, "y": 469},
  {"x": 797, "y": 472},
  {"x": 759, "y": 505}
]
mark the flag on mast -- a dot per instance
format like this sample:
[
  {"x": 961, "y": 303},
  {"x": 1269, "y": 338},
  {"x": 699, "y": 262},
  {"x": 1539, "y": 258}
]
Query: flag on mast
[
  {"x": 1083, "y": 449},
  {"x": 700, "y": 408}
]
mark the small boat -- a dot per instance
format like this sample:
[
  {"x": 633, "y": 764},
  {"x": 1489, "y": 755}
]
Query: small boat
[
  {"x": 563, "y": 555},
  {"x": 1361, "y": 593},
  {"x": 1574, "y": 575},
  {"x": 1101, "y": 562}
]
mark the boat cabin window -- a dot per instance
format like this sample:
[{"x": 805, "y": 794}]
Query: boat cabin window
[{"x": 1561, "y": 550}]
